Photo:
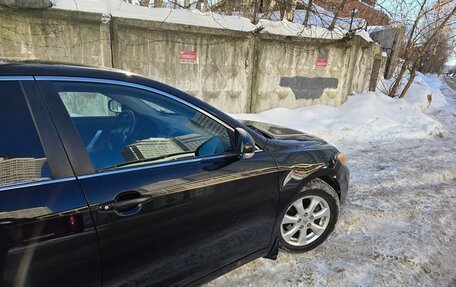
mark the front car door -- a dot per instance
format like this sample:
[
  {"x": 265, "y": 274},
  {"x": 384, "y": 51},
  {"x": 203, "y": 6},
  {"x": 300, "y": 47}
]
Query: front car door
[
  {"x": 47, "y": 235},
  {"x": 171, "y": 200}
]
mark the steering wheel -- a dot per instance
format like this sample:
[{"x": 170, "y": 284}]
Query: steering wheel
[{"x": 122, "y": 129}]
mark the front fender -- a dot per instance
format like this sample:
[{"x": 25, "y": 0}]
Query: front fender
[{"x": 336, "y": 176}]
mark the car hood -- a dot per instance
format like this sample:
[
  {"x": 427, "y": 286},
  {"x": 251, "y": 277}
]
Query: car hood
[{"x": 280, "y": 133}]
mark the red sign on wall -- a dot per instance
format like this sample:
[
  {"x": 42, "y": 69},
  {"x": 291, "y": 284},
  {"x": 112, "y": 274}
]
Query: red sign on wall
[
  {"x": 321, "y": 63},
  {"x": 322, "y": 58},
  {"x": 188, "y": 57}
]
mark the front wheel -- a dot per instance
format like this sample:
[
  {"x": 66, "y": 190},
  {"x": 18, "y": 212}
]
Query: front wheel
[{"x": 309, "y": 217}]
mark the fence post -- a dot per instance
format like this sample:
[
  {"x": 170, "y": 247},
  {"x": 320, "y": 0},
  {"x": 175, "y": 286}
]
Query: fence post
[{"x": 375, "y": 73}]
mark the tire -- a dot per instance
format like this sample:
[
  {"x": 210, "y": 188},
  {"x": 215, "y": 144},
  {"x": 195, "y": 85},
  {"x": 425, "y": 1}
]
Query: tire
[{"x": 318, "y": 224}]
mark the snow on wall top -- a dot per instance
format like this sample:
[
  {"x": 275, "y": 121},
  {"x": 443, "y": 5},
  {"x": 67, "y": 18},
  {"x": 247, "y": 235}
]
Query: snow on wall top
[
  {"x": 286, "y": 28},
  {"x": 321, "y": 17},
  {"x": 119, "y": 8}
]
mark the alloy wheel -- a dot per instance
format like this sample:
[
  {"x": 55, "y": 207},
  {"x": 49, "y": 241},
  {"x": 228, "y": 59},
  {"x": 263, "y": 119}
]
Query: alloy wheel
[{"x": 305, "y": 220}]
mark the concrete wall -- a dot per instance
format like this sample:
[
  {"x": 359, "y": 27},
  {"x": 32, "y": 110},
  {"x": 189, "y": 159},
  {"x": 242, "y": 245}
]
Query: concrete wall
[
  {"x": 287, "y": 75},
  {"x": 220, "y": 76},
  {"x": 390, "y": 38},
  {"x": 362, "y": 56},
  {"x": 235, "y": 71},
  {"x": 55, "y": 35}
]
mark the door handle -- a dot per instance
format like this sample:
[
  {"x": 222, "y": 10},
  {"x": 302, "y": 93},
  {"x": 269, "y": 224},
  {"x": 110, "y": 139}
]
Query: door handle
[{"x": 125, "y": 204}]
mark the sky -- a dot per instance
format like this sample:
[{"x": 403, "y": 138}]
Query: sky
[{"x": 452, "y": 61}]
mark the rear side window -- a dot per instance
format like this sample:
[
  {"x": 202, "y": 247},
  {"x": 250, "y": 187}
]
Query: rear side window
[{"x": 22, "y": 159}]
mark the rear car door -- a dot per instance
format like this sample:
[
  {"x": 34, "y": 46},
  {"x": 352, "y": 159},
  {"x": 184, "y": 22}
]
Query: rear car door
[
  {"x": 47, "y": 235},
  {"x": 171, "y": 201}
]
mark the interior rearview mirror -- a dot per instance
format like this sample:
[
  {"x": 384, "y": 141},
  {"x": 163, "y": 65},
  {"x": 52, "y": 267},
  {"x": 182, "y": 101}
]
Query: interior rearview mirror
[
  {"x": 114, "y": 106},
  {"x": 245, "y": 144}
]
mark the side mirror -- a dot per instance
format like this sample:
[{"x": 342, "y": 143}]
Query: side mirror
[
  {"x": 114, "y": 106},
  {"x": 245, "y": 144}
]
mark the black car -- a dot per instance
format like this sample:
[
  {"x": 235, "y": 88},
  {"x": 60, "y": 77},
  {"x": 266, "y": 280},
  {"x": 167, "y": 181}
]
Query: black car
[{"x": 112, "y": 179}]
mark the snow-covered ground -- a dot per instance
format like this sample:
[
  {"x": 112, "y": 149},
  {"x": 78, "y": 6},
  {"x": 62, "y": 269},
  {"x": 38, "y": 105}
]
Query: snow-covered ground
[
  {"x": 398, "y": 226},
  {"x": 366, "y": 117}
]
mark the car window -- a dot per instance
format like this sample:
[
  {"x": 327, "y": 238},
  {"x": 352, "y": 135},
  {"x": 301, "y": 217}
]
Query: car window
[
  {"x": 22, "y": 159},
  {"x": 158, "y": 107},
  {"x": 86, "y": 104},
  {"x": 139, "y": 126}
]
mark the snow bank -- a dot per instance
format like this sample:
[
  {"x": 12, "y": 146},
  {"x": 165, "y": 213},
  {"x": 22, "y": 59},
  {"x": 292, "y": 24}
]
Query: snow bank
[
  {"x": 435, "y": 84},
  {"x": 365, "y": 117},
  {"x": 425, "y": 93}
]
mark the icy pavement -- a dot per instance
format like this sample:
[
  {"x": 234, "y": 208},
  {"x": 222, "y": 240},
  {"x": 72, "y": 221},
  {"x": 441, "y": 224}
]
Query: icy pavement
[
  {"x": 397, "y": 228},
  {"x": 451, "y": 82}
]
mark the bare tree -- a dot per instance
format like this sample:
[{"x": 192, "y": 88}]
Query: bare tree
[
  {"x": 256, "y": 7},
  {"x": 308, "y": 12},
  {"x": 424, "y": 20},
  {"x": 452, "y": 70},
  {"x": 290, "y": 8},
  {"x": 336, "y": 15},
  {"x": 145, "y": 3},
  {"x": 420, "y": 51},
  {"x": 408, "y": 46},
  {"x": 435, "y": 58},
  {"x": 270, "y": 9}
]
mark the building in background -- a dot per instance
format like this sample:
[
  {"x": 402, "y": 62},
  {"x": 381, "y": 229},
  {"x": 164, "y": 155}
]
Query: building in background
[
  {"x": 390, "y": 37},
  {"x": 366, "y": 10},
  {"x": 20, "y": 170}
]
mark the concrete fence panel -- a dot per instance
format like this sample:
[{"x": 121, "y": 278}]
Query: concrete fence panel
[
  {"x": 211, "y": 64},
  {"x": 362, "y": 56},
  {"x": 55, "y": 35},
  {"x": 292, "y": 73}
]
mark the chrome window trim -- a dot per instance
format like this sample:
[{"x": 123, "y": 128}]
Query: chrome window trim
[
  {"x": 133, "y": 85},
  {"x": 35, "y": 183},
  {"x": 16, "y": 78},
  {"x": 147, "y": 166}
]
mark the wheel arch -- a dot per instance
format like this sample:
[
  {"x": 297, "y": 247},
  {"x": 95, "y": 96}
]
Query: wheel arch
[
  {"x": 328, "y": 176},
  {"x": 332, "y": 182}
]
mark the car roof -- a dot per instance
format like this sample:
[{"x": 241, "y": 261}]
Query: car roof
[
  {"x": 33, "y": 68},
  {"x": 69, "y": 70},
  {"x": 57, "y": 69}
]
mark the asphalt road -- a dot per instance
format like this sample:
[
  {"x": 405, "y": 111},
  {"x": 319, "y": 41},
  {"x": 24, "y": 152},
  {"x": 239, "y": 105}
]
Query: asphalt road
[{"x": 451, "y": 82}]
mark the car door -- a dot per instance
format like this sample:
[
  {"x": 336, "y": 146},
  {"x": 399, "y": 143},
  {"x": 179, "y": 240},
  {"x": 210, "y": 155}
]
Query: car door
[
  {"x": 47, "y": 235},
  {"x": 172, "y": 203}
]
